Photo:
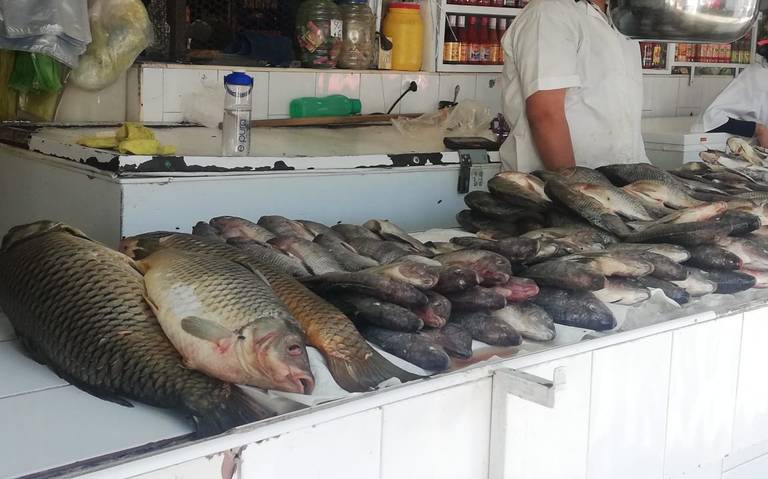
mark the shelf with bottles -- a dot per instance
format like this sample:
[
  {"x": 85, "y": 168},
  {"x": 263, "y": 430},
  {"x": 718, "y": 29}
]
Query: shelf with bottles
[
  {"x": 655, "y": 57},
  {"x": 474, "y": 9},
  {"x": 471, "y": 42}
]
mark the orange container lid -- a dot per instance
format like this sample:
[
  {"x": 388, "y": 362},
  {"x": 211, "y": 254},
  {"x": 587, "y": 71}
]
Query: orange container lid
[{"x": 405, "y": 6}]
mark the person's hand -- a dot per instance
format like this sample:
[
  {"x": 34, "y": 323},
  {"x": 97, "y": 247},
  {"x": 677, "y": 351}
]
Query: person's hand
[{"x": 761, "y": 133}]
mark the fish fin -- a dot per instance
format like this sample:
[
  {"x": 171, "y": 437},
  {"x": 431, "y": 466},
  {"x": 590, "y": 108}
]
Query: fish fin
[
  {"x": 255, "y": 271},
  {"x": 238, "y": 409},
  {"x": 360, "y": 375},
  {"x": 206, "y": 329},
  {"x": 152, "y": 305},
  {"x": 93, "y": 390}
]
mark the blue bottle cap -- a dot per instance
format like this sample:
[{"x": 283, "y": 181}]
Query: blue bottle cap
[
  {"x": 238, "y": 78},
  {"x": 353, "y": 1}
]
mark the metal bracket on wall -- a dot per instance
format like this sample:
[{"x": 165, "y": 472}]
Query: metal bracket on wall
[{"x": 527, "y": 386}]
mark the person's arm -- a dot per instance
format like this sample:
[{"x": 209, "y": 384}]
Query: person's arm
[
  {"x": 761, "y": 133},
  {"x": 545, "y": 110}
]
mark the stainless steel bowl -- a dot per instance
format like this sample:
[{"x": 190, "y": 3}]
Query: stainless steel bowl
[{"x": 711, "y": 21}]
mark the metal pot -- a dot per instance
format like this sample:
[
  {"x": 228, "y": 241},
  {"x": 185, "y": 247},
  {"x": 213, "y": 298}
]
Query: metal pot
[{"x": 711, "y": 21}]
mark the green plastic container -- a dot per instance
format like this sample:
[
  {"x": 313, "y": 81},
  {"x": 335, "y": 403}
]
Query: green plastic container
[{"x": 333, "y": 105}]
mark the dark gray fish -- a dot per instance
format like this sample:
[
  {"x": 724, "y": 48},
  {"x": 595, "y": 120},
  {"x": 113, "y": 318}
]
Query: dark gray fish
[
  {"x": 580, "y": 309},
  {"x": 454, "y": 279},
  {"x": 473, "y": 222},
  {"x": 622, "y": 291},
  {"x": 676, "y": 253},
  {"x": 531, "y": 321},
  {"x": 281, "y": 226},
  {"x": 587, "y": 207},
  {"x": 752, "y": 252},
  {"x": 443, "y": 247},
  {"x": 565, "y": 274},
  {"x": 316, "y": 258},
  {"x": 477, "y": 299},
  {"x": 621, "y": 175},
  {"x": 344, "y": 253},
  {"x": 740, "y": 222},
  {"x": 710, "y": 257},
  {"x": 418, "y": 349},
  {"x": 486, "y": 204},
  {"x": 484, "y": 327},
  {"x": 576, "y": 174},
  {"x": 519, "y": 189},
  {"x": 671, "y": 290},
  {"x": 350, "y": 231},
  {"x": 456, "y": 340},
  {"x": 663, "y": 267},
  {"x": 318, "y": 229},
  {"x": 559, "y": 217},
  {"x": 754, "y": 195},
  {"x": 281, "y": 262},
  {"x": 492, "y": 268},
  {"x": 380, "y": 250},
  {"x": 514, "y": 249},
  {"x": 517, "y": 289},
  {"x": 204, "y": 229},
  {"x": 437, "y": 312},
  {"x": 686, "y": 234},
  {"x": 376, "y": 285},
  {"x": 377, "y": 312},
  {"x": 730, "y": 282},
  {"x": 234, "y": 227},
  {"x": 415, "y": 273},
  {"x": 390, "y": 231},
  {"x": 697, "y": 283}
]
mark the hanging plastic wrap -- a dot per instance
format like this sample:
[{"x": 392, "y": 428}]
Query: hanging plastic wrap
[
  {"x": 121, "y": 30},
  {"x": 468, "y": 118}
]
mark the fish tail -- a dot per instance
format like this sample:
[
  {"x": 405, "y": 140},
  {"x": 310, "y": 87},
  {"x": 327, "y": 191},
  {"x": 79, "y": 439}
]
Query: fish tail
[
  {"x": 362, "y": 375},
  {"x": 238, "y": 409}
]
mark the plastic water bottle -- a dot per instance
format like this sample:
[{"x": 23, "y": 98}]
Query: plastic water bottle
[{"x": 236, "y": 127}]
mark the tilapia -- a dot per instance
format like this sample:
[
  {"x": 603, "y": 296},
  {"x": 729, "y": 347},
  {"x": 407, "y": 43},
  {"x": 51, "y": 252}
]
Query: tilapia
[
  {"x": 753, "y": 255},
  {"x": 615, "y": 200},
  {"x": 697, "y": 213},
  {"x": 344, "y": 253},
  {"x": 740, "y": 222},
  {"x": 717, "y": 157},
  {"x": 741, "y": 147},
  {"x": 281, "y": 226},
  {"x": 759, "y": 209},
  {"x": 676, "y": 253},
  {"x": 730, "y": 282},
  {"x": 477, "y": 299},
  {"x": 454, "y": 279},
  {"x": 350, "y": 231},
  {"x": 202, "y": 228},
  {"x": 761, "y": 277},
  {"x": 354, "y": 365},
  {"x": 576, "y": 174},
  {"x": 492, "y": 268},
  {"x": 442, "y": 247},
  {"x": 615, "y": 263},
  {"x": 318, "y": 229},
  {"x": 380, "y": 250},
  {"x": 78, "y": 307},
  {"x": 272, "y": 257},
  {"x": 565, "y": 274},
  {"x": 661, "y": 266},
  {"x": 233, "y": 227},
  {"x": 517, "y": 289},
  {"x": 316, "y": 258},
  {"x": 696, "y": 283},
  {"x": 685, "y": 234},
  {"x": 371, "y": 284},
  {"x": 714, "y": 257},
  {"x": 437, "y": 312},
  {"x": 669, "y": 195},
  {"x": 622, "y": 291},
  {"x": 587, "y": 207},
  {"x": 531, "y": 321},
  {"x": 580, "y": 309},
  {"x": 376, "y": 312},
  {"x": 415, "y": 348},
  {"x": 585, "y": 235},
  {"x": 411, "y": 272},
  {"x": 670, "y": 290},
  {"x": 514, "y": 249},
  {"x": 474, "y": 222},
  {"x": 519, "y": 189},
  {"x": 486, "y": 204},
  {"x": 455, "y": 340},
  {"x": 486, "y": 328},
  {"x": 388, "y": 230},
  {"x": 225, "y": 321},
  {"x": 624, "y": 174}
]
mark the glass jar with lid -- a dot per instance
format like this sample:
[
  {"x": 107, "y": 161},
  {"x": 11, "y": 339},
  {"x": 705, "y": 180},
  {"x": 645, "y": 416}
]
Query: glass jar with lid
[
  {"x": 319, "y": 28},
  {"x": 358, "y": 37}
]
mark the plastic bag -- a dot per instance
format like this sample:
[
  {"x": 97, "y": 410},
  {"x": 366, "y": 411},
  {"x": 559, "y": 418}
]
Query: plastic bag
[
  {"x": 121, "y": 30},
  {"x": 468, "y": 118}
]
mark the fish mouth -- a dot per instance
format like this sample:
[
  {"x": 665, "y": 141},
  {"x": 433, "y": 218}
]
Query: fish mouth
[{"x": 298, "y": 381}]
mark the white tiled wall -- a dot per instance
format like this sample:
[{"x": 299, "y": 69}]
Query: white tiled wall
[{"x": 674, "y": 96}]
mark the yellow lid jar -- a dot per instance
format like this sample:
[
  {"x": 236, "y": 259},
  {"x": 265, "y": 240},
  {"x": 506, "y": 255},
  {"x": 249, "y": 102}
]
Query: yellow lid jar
[{"x": 404, "y": 26}]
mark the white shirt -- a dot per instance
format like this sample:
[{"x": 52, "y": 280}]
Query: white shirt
[
  {"x": 557, "y": 44},
  {"x": 745, "y": 98}
]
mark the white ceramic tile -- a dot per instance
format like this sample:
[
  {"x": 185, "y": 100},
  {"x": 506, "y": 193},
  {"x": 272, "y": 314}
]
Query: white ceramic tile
[
  {"x": 208, "y": 466},
  {"x": 182, "y": 85},
  {"x": 755, "y": 469},
  {"x": 488, "y": 91},
  {"x": 60, "y": 426},
  {"x": 687, "y": 111},
  {"x": 750, "y": 423},
  {"x": 545, "y": 443},
  {"x": 660, "y": 95},
  {"x": 107, "y": 105},
  {"x": 467, "y": 84},
  {"x": 173, "y": 117},
  {"x": 151, "y": 91},
  {"x": 6, "y": 328},
  {"x": 21, "y": 374},
  {"x": 346, "y": 448},
  {"x": 285, "y": 86},
  {"x": 260, "y": 95},
  {"x": 689, "y": 95},
  {"x": 132, "y": 94},
  {"x": 379, "y": 91},
  {"x": 443, "y": 434},
  {"x": 626, "y": 434},
  {"x": 347, "y": 84},
  {"x": 702, "y": 396},
  {"x": 425, "y": 99}
]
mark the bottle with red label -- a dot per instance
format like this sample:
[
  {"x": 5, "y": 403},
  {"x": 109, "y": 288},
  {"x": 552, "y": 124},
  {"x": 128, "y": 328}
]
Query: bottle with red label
[
  {"x": 473, "y": 38},
  {"x": 462, "y": 34},
  {"x": 451, "y": 41},
  {"x": 485, "y": 42},
  {"x": 497, "y": 57}
]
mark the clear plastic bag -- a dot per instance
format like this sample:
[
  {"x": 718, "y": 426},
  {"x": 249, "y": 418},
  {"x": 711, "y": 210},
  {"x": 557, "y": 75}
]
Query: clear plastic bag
[
  {"x": 121, "y": 30},
  {"x": 468, "y": 118}
]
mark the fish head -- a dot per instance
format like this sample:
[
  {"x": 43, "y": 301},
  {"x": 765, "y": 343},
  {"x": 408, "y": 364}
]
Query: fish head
[
  {"x": 22, "y": 232},
  {"x": 376, "y": 226},
  {"x": 494, "y": 270},
  {"x": 139, "y": 248},
  {"x": 277, "y": 349},
  {"x": 418, "y": 274},
  {"x": 286, "y": 244}
]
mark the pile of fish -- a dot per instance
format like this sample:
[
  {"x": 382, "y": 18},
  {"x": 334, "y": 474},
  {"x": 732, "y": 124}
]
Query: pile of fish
[{"x": 612, "y": 234}]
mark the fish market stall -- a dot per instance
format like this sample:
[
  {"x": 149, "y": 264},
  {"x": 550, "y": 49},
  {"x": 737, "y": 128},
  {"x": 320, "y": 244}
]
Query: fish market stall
[{"x": 661, "y": 387}]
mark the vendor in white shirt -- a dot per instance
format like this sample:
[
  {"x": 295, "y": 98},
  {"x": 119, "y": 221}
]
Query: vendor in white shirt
[
  {"x": 742, "y": 108},
  {"x": 573, "y": 90}
]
